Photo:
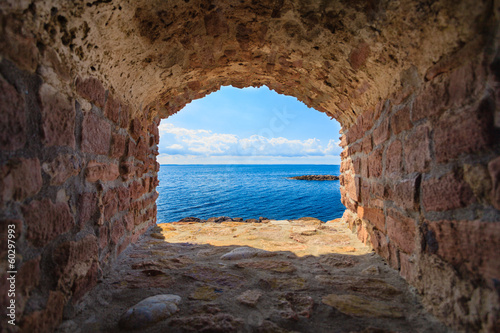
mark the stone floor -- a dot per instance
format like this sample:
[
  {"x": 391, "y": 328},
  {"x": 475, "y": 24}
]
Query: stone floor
[{"x": 279, "y": 276}]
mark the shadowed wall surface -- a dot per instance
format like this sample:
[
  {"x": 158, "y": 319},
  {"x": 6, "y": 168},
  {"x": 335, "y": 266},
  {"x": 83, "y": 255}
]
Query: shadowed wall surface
[{"x": 414, "y": 85}]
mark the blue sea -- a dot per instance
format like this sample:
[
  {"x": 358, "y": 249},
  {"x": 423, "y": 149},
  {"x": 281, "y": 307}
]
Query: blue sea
[{"x": 247, "y": 191}]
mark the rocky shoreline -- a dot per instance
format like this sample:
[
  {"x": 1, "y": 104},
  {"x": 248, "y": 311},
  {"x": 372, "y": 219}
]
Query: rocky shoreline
[
  {"x": 316, "y": 177},
  {"x": 221, "y": 219}
]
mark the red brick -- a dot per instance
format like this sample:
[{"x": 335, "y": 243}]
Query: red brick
[
  {"x": 141, "y": 151},
  {"x": 61, "y": 168},
  {"x": 365, "y": 192},
  {"x": 401, "y": 120},
  {"x": 353, "y": 148},
  {"x": 375, "y": 164},
  {"x": 123, "y": 198},
  {"x": 117, "y": 145},
  {"x": 356, "y": 166},
  {"x": 379, "y": 243},
  {"x": 394, "y": 159},
  {"x": 405, "y": 193},
  {"x": 117, "y": 232},
  {"x": 96, "y": 135},
  {"x": 431, "y": 101},
  {"x": 417, "y": 150},
  {"x": 366, "y": 144},
  {"x": 125, "y": 116},
  {"x": 136, "y": 190},
  {"x": 20, "y": 178},
  {"x": 381, "y": 133},
  {"x": 92, "y": 90},
  {"x": 109, "y": 205},
  {"x": 58, "y": 118},
  {"x": 13, "y": 119},
  {"x": 87, "y": 205},
  {"x": 101, "y": 171},
  {"x": 46, "y": 221},
  {"x": 73, "y": 260},
  {"x": 364, "y": 167},
  {"x": 359, "y": 55},
  {"x": 377, "y": 190},
  {"x": 48, "y": 319},
  {"x": 464, "y": 132},
  {"x": 467, "y": 244},
  {"x": 112, "y": 109},
  {"x": 136, "y": 128},
  {"x": 103, "y": 237},
  {"x": 85, "y": 283},
  {"x": 494, "y": 170},
  {"x": 374, "y": 215},
  {"x": 446, "y": 192},
  {"x": 127, "y": 170},
  {"x": 401, "y": 230},
  {"x": 461, "y": 86}
]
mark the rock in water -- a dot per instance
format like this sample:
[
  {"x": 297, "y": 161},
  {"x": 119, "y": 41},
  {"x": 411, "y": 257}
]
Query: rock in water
[
  {"x": 149, "y": 311},
  {"x": 316, "y": 177}
]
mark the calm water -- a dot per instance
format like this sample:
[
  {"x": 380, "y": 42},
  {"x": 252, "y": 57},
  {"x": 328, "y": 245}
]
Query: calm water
[{"x": 247, "y": 191}]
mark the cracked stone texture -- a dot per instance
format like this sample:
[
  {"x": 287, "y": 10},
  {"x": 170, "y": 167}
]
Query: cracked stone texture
[
  {"x": 338, "y": 56},
  {"x": 314, "y": 288}
]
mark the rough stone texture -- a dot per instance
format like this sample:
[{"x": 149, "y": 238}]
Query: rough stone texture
[
  {"x": 61, "y": 168},
  {"x": 92, "y": 80}
]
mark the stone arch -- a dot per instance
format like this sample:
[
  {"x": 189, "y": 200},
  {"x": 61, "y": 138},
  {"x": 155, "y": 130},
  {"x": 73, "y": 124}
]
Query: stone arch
[{"x": 414, "y": 85}]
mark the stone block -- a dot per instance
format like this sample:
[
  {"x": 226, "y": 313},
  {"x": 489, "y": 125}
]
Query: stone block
[
  {"x": 117, "y": 231},
  {"x": 96, "y": 134},
  {"x": 431, "y": 101},
  {"x": 394, "y": 159},
  {"x": 466, "y": 244},
  {"x": 46, "y": 220},
  {"x": 112, "y": 109},
  {"x": 366, "y": 144},
  {"x": 375, "y": 164},
  {"x": 447, "y": 192},
  {"x": 58, "y": 118},
  {"x": 118, "y": 146},
  {"x": 136, "y": 128},
  {"x": 374, "y": 215},
  {"x": 464, "y": 132},
  {"x": 13, "y": 121},
  {"x": 101, "y": 171},
  {"x": 400, "y": 120},
  {"x": 494, "y": 170},
  {"x": 401, "y": 230},
  {"x": 87, "y": 206},
  {"x": 109, "y": 205},
  {"x": 381, "y": 133},
  {"x": 92, "y": 90},
  {"x": 405, "y": 193},
  {"x": 103, "y": 237},
  {"x": 48, "y": 319},
  {"x": 20, "y": 178},
  {"x": 61, "y": 168},
  {"x": 359, "y": 55},
  {"x": 417, "y": 150}
]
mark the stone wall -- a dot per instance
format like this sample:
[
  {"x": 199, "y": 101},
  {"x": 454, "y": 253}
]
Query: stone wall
[
  {"x": 421, "y": 185},
  {"x": 77, "y": 180},
  {"x": 414, "y": 85}
]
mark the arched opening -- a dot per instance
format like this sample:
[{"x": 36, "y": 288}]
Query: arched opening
[{"x": 84, "y": 85}]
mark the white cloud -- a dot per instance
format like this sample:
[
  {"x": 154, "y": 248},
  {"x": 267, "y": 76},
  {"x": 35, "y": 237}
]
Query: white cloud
[{"x": 187, "y": 142}]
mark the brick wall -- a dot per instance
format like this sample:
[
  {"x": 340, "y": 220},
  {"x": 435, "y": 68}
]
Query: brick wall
[
  {"x": 77, "y": 179},
  {"x": 421, "y": 185}
]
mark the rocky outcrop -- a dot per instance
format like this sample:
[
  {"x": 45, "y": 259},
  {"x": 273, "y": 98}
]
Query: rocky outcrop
[{"x": 316, "y": 177}]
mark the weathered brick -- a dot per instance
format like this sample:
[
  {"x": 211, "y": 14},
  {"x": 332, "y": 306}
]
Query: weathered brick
[
  {"x": 417, "y": 150},
  {"x": 125, "y": 116},
  {"x": 366, "y": 144},
  {"x": 20, "y": 47},
  {"x": 48, "y": 319},
  {"x": 464, "y": 132},
  {"x": 112, "y": 109},
  {"x": 401, "y": 230},
  {"x": 375, "y": 164},
  {"x": 462, "y": 86},
  {"x": 28, "y": 276},
  {"x": 136, "y": 189},
  {"x": 356, "y": 166},
  {"x": 377, "y": 190},
  {"x": 103, "y": 237},
  {"x": 101, "y": 171},
  {"x": 61, "y": 168},
  {"x": 92, "y": 90},
  {"x": 117, "y": 145},
  {"x": 353, "y": 148},
  {"x": 409, "y": 269},
  {"x": 126, "y": 242},
  {"x": 141, "y": 151},
  {"x": 400, "y": 120},
  {"x": 123, "y": 198},
  {"x": 13, "y": 120},
  {"x": 374, "y": 215},
  {"x": 394, "y": 159},
  {"x": 46, "y": 220},
  {"x": 96, "y": 134},
  {"x": 127, "y": 170},
  {"x": 109, "y": 205},
  {"x": 73, "y": 261},
  {"x": 365, "y": 191},
  {"x": 87, "y": 206},
  {"x": 117, "y": 231},
  {"x": 405, "y": 193},
  {"x": 467, "y": 244},
  {"x": 381, "y": 133},
  {"x": 128, "y": 221},
  {"x": 84, "y": 284},
  {"x": 20, "y": 178},
  {"x": 446, "y": 192},
  {"x": 494, "y": 170},
  {"x": 352, "y": 186},
  {"x": 58, "y": 118},
  {"x": 136, "y": 128},
  {"x": 431, "y": 101}
]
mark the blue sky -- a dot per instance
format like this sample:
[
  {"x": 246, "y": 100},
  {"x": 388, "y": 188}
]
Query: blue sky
[{"x": 248, "y": 126}]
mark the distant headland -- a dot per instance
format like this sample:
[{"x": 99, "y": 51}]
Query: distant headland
[{"x": 316, "y": 177}]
